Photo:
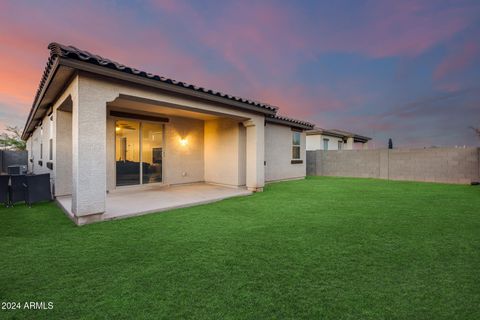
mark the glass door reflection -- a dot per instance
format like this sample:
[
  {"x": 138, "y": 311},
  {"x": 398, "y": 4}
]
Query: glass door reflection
[
  {"x": 152, "y": 152},
  {"x": 127, "y": 152}
]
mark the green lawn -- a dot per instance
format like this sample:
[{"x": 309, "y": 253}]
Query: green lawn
[{"x": 321, "y": 248}]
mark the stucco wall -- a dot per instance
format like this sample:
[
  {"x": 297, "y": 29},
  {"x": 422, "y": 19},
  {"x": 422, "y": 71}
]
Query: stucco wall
[
  {"x": 182, "y": 164},
  {"x": 85, "y": 165},
  {"x": 447, "y": 165},
  {"x": 225, "y": 152},
  {"x": 315, "y": 142},
  {"x": 109, "y": 89},
  {"x": 29, "y": 148},
  {"x": 63, "y": 153},
  {"x": 34, "y": 146},
  {"x": 278, "y": 154}
]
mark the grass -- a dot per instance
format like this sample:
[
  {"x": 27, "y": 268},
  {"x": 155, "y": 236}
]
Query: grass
[{"x": 321, "y": 248}]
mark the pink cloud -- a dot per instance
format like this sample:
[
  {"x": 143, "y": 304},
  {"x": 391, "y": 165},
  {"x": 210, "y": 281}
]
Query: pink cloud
[
  {"x": 449, "y": 86},
  {"x": 259, "y": 46},
  {"x": 398, "y": 28},
  {"x": 254, "y": 38},
  {"x": 457, "y": 61},
  {"x": 299, "y": 100},
  {"x": 378, "y": 28},
  {"x": 24, "y": 47}
]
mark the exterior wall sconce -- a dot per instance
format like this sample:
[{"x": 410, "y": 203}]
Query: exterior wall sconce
[{"x": 183, "y": 142}]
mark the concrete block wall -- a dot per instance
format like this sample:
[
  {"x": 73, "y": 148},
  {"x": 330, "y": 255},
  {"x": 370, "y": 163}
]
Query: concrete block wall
[
  {"x": 311, "y": 163},
  {"x": 445, "y": 165},
  {"x": 349, "y": 163}
]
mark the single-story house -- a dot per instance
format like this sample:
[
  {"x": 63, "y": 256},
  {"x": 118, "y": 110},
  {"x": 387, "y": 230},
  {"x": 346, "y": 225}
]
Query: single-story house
[
  {"x": 98, "y": 127},
  {"x": 322, "y": 139}
]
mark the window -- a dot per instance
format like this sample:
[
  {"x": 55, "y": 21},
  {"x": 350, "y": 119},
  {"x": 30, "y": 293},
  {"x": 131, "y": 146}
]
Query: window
[
  {"x": 340, "y": 145},
  {"x": 138, "y": 152},
  {"x": 41, "y": 143},
  {"x": 325, "y": 144},
  {"x": 50, "y": 150},
  {"x": 51, "y": 127},
  {"x": 296, "y": 145}
]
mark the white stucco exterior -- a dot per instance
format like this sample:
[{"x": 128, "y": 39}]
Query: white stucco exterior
[
  {"x": 225, "y": 145},
  {"x": 318, "y": 141},
  {"x": 225, "y": 152},
  {"x": 278, "y": 154}
]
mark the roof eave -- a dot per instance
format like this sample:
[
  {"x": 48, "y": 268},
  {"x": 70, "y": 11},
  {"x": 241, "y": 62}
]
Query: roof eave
[
  {"x": 88, "y": 67},
  {"x": 39, "y": 97},
  {"x": 361, "y": 139},
  {"x": 326, "y": 133},
  {"x": 289, "y": 123},
  {"x": 95, "y": 69}
]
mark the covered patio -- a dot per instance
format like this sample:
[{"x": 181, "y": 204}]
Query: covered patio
[
  {"x": 124, "y": 143},
  {"x": 128, "y": 202}
]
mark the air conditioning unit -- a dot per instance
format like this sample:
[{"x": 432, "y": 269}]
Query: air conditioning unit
[{"x": 17, "y": 169}]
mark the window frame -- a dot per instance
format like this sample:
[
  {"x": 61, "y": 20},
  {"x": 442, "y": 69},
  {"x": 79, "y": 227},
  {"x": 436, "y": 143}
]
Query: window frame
[
  {"x": 50, "y": 149},
  {"x": 294, "y": 145},
  {"x": 325, "y": 143},
  {"x": 41, "y": 143}
]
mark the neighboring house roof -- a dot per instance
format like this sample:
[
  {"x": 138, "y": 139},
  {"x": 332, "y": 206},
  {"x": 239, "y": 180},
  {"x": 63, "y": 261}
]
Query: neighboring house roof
[
  {"x": 317, "y": 131},
  {"x": 356, "y": 137},
  {"x": 289, "y": 121},
  {"x": 339, "y": 134},
  {"x": 74, "y": 58}
]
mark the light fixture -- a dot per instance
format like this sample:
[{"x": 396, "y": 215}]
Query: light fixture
[
  {"x": 117, "y": 129},
  {"x": 183, "y": 142}
]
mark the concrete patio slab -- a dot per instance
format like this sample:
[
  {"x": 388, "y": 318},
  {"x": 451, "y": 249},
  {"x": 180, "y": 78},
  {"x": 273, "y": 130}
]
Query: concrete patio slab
[{"x": 129, "y": 202}]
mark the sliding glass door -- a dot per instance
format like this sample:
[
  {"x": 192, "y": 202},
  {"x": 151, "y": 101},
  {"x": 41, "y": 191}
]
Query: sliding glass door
[
  {"x": 152, "y": 150},
  {"x": 127, "y": 152},
  {"x": 138, "y": 152}
]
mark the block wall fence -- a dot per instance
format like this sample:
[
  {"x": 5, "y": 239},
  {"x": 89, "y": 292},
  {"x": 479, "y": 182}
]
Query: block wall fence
[{"x": 444, "y": 165}]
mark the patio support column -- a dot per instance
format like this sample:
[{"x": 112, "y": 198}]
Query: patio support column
[
  {"x": 255, "y": 153},
  {"x": 89, "y": 119}
]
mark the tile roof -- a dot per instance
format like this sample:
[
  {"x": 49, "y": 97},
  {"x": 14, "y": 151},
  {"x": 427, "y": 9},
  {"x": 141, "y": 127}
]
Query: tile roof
[
  {"x": 57, "y": 49},
  {"x": 318, "y": 130},
  {"x": 278, "y": 117},
  {"x": 351, "y": 134},
  {"x": 338, "y": 133}
]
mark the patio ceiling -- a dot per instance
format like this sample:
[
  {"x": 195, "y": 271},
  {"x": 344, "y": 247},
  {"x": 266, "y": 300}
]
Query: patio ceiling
[{"x": 153, "y": 107}]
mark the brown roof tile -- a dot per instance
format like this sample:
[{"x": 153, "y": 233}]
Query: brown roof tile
[
  {"x": 57, "y": 49},
  {"x": 283, "y": 119}
]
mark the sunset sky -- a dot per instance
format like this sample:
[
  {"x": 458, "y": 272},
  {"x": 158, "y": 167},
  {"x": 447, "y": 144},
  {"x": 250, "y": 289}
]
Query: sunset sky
[{"x": 406, "y": 70}]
